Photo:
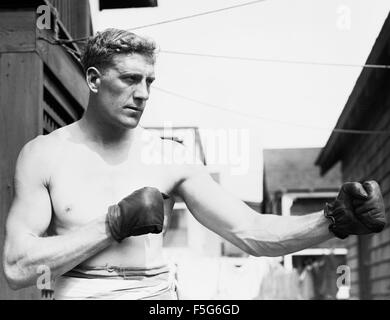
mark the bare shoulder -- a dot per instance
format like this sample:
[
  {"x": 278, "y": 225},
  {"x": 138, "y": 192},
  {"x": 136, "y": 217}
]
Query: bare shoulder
[
  {"x": 37, "y": 156},
  {"x": 42, "y": 147}
]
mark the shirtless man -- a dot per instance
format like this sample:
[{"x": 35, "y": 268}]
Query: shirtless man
[{"x": 90, "y": 207}]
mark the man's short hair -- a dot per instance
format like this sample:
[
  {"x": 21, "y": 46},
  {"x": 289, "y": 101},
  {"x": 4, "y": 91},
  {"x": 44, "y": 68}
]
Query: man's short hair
[{"x": 100, "y": 49}]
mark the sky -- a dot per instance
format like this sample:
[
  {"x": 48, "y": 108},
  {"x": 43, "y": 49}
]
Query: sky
[{"x": 273, "y": 105}]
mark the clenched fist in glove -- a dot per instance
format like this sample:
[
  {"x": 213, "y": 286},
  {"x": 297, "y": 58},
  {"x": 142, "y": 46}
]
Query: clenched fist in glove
[
  {"x": 358, "y": 209},
  {"x": 140, "y": 213}
]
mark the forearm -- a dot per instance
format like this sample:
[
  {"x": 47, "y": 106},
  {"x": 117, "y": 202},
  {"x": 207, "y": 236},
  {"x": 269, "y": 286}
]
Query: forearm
[
  {"x": 257, "y": 234},
  {"x": 271, "y": 235},
  {"x": 58, "y": 253}
]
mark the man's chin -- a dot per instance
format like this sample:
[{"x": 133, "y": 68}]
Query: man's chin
[{"x": 129, "y": 123}]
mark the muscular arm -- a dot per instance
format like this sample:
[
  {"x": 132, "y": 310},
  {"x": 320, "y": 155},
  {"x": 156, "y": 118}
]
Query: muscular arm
[
  {"x": 26, "y": 248},
  {"x": 256, "y": 234}
]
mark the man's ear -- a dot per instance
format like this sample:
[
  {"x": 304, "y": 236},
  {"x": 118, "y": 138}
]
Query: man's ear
[{"x": 93, "y": 76}]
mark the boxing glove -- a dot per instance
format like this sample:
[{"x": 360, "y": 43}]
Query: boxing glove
[
  {"x": 358, "y": 209},
  {"x": 139, "y": 213}
]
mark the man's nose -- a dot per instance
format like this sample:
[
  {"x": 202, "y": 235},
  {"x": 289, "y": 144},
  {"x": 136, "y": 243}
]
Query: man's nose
[{"x": 142, "y": 91}]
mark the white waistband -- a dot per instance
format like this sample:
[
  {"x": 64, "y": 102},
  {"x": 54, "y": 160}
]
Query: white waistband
[{"x": 129, "y": 287}]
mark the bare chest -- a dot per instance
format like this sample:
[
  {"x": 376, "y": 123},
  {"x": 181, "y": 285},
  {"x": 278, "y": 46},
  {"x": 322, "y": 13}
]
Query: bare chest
[{"x": 83, "y": 185}]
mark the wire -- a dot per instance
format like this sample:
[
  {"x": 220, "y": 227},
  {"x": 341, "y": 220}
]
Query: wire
[
  {"x": 175, "y": 19},
  {"x": 361, "y": 131},
  {"x": 252, "y": 116},
  {"x": 378, "y": 66},
  {"x": 351, "y": 131},
  {"x": 199, "y": 14},
  {"x": 75, "y": 54},
  {"x": 72, "y": 52},
  {"x": 51, "y": 41},
  {"x": 265, "y": 60}
]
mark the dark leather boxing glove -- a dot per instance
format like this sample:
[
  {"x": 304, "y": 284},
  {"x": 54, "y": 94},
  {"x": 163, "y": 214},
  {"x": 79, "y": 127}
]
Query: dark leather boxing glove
[
  {"x": 139, "y": 213},
  {"x": 353, "y": 198},
  {"x": 371, "y": 212}
]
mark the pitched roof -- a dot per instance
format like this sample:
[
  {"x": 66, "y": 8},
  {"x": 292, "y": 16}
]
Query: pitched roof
[
  {"x": 362, "y": 102},
  {"x": 294, "y": 170}
]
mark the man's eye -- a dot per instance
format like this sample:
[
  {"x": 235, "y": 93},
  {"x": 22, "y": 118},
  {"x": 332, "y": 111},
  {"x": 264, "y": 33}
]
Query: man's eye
[{"x": 130, "y": 79}]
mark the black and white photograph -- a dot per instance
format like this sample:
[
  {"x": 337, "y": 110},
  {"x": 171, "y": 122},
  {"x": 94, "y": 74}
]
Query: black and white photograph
[{"x": 191, "y": 150}]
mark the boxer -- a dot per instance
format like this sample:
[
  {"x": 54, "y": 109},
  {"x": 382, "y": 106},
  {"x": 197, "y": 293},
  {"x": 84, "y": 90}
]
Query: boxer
[{"x": 89, "y": 207}]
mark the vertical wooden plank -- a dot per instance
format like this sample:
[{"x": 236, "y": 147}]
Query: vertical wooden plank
[
  {"x": 81, "y": 18},
  {"x": 364, "y": 260},
  {"x": 17, "y": 30},
  {"x": 21, "y": 91}
]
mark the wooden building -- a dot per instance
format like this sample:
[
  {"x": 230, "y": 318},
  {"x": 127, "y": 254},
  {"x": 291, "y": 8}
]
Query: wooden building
[
  {"x": 42, "y": 86},
  {"x": 365, "y": 157}
]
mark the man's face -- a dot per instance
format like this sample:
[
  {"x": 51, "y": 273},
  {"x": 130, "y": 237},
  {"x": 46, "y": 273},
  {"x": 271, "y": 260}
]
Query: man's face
[{"x": 124, "y": 89}]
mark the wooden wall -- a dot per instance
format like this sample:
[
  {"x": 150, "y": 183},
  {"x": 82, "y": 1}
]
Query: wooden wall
[
  {"x": 20, "y": 122},
  {"x": 75, "y": 15},
  {"x": 41, "y": 89},
  {"x": 368, "y": 157}
]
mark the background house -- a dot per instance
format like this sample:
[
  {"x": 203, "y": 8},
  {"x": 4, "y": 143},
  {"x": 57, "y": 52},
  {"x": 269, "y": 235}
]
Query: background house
[
  {"x": 292, "y": 185},
  {"x": 366, "y": 156}
]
